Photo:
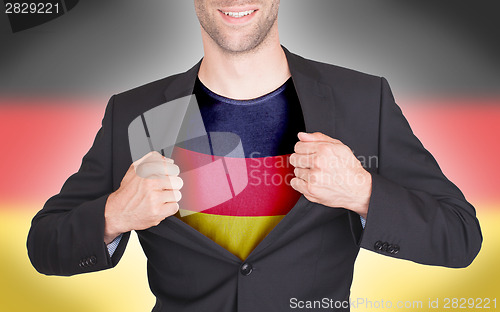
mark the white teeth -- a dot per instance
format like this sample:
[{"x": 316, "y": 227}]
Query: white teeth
[{"x": 239, "y": 14}]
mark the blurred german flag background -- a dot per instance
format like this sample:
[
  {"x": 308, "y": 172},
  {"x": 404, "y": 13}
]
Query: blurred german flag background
[{"x": 440, "y": 57}]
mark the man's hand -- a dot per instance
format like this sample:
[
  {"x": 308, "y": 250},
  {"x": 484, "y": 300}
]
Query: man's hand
[
  {"x": 148, "y": 193},
  {"x": 328, "y": 173}
]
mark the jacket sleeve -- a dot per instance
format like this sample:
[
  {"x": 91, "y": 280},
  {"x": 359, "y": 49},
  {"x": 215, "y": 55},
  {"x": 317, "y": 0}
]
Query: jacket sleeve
[
  {"x": 67, "y": 236},
  {"x": 415, "y": 212}
]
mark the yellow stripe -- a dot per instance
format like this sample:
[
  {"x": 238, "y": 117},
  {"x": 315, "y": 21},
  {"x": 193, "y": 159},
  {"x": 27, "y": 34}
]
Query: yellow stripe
[
  {"x": 24, "y": 289},
  {"x": 239, "y": 235}
]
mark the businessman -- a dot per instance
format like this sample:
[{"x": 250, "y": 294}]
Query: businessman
[{"x": 272, "y": 241}]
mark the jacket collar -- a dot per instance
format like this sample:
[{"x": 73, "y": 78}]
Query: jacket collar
[{"x": 315, "y": 96}]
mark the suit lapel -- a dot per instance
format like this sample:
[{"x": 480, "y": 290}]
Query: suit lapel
[
  {"x": 182, "y": 85},
  {"x": 315, "y": 97},
  {"x": 317, "y": 104},
  {"x": 318, "y": 109}
]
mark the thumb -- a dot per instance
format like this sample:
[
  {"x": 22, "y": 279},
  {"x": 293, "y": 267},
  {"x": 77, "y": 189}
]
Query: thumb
[{"x": 316, "y": 137}]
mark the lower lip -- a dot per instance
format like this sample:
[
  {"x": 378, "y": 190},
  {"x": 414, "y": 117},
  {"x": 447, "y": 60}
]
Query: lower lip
[{"x": 237, "y": 20}]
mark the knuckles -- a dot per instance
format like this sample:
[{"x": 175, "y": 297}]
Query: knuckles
[
  {"x": 296, "y": 147},
  {"x": 311, "y": 190},
  {"x": 156, "y": 169},
  {"x": 171, "y": 208},
  {"x": 177, "y": 195},
  {"x": 325, "y": 148},
  {"x": 314, "y": 176},
  {"x": 319, "y": 161},
  {"x": 177, "y": 182},
  {"x": 292, "y": 159}
]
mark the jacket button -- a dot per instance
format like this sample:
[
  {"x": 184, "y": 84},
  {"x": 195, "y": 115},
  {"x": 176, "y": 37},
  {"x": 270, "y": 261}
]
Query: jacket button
[
  {"x": 395, "y": 249},
  {"x": 93, "y": 260},
  {"x": 246, "y": 269},
  {"x": 390, "y": 249},
  {"x": 385, "y": 245},
  {"x": 378, "y": 245},
  {"x": 83, "y": 263}
]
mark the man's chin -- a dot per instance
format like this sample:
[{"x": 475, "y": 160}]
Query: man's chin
[{"x": 240, "y": 46}]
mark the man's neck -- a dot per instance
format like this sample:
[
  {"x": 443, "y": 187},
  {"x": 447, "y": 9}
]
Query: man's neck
[{"x": 246, "y": 75}]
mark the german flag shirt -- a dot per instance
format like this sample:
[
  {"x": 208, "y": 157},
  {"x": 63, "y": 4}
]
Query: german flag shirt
[{"x": 240, "y": 189}]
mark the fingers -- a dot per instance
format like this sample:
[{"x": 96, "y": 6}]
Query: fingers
[
  {"x": 171, "y": 196},
  {"x": 302, "y": 161},
  {"x": 172, "y": 183},
  {"x": 156, "y": 169},
  {"x": 165, "y": 183},
  {"x": 316, "y": 137},
  {"x": 171, "y": 208},
  {"x": 312, "y": 147},
  {"x": 311, "y": 176},
  {"x": 305, "y": 147},
  {"x": 152, "y": 156},
  {"x": 303, "y": 174},
  {"x": 301, "y": 186}
]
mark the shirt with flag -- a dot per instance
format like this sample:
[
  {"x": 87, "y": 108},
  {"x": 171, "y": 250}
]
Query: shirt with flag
[{"x": 259, "y": 178}]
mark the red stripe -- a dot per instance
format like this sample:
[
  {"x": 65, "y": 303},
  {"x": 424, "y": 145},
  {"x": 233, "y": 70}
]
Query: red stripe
[
  {"x": 43, "y": 141},
  {"x": 261, "y": 185},
  {"x": 464, "y": 136}
]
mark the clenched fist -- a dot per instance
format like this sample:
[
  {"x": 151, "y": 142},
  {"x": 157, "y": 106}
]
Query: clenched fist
[
  {"x": 327, "y": 172},
  {"x": 148, "y": 193}
]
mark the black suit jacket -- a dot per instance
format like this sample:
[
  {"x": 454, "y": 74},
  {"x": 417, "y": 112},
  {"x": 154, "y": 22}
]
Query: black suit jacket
[{"x": 415, "y": 212}]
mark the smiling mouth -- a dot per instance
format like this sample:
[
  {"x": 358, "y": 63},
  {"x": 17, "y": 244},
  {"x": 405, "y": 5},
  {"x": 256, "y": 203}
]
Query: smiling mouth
[{"x": 238, "y": 14}]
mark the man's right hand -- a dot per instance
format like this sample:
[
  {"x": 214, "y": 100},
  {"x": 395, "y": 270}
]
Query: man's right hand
[{"x": 148, "y": 193}]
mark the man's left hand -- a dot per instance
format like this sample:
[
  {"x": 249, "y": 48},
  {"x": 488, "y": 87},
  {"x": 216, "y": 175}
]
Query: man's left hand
[{"x": 328, "y": 173}]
